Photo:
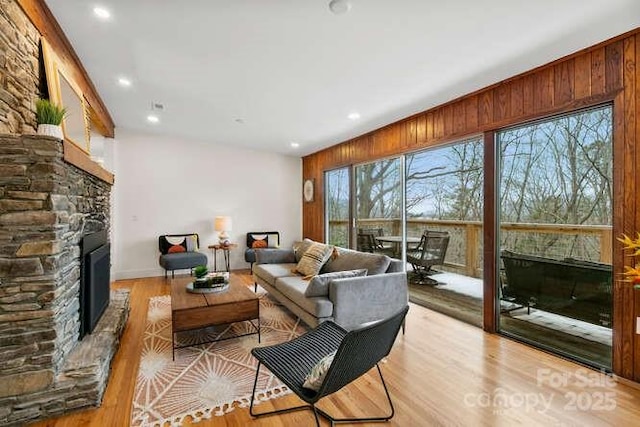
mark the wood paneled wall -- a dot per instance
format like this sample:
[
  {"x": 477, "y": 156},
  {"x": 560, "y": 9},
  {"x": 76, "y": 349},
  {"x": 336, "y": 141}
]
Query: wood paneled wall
[{"x": 603, "y": 73}]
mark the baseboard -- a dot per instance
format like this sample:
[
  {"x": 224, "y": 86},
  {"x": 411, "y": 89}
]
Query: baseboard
[{"x": 137, "y": 274}]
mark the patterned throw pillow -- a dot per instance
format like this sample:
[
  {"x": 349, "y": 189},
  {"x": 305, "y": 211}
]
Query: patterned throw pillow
[
  {"x": 314, "y": 258},
  {"x": 319, "y": 285},
  {"x": 315, "y": 377},
  {"x": 257, "y": 244}
]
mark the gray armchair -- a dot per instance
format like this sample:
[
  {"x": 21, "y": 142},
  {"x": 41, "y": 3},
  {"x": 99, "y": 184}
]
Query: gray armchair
[
  {"x": 259, "y": 240},
  {"x": 180, "y": 251}
]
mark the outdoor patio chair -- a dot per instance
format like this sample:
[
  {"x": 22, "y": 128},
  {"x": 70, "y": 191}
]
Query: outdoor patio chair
[
  {"x": 356, "y": 352},
  {"x": 430, "y": 252},
  {"x": 367, "y": 241}
]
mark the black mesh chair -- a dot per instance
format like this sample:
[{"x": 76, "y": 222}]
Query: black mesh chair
[
  {"x": 357, "y": 352},
  {"x": 430, "y": 252}
]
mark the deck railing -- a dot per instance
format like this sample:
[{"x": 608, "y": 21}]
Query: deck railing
[{"x": 465, "y": 254}]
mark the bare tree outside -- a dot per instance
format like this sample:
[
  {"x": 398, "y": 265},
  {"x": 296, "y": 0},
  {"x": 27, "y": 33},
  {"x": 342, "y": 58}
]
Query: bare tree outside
[
  {"x": 446, "y": 182},
  {"x": 557, "y": 172},
  {"x": 337, "y": 206}
]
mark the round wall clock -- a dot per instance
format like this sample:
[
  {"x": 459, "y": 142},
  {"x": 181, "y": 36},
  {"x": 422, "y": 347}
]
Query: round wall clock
[{"x": 307, "y": 190}]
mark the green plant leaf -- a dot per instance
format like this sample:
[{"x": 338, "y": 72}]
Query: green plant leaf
[
  {"x": 200, "y": 271},
  {"x": 48, "y": 113}
]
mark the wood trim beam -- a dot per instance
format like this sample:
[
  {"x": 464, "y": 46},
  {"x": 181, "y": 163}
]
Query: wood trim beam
[
  {"x": 74, "y": 155},
  {"x": 489, "y": 236},
  {"x": 39, "y": 14}
]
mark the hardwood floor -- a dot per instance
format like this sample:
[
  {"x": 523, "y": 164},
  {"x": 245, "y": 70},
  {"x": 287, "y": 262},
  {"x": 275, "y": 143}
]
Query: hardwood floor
[{"x": 442, "y": 372}]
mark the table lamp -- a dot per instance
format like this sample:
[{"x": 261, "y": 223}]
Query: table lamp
[{"x": 222, "y": 225}]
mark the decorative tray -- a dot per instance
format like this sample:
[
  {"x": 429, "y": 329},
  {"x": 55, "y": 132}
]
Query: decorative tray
[{"x": 215, "y": 289}]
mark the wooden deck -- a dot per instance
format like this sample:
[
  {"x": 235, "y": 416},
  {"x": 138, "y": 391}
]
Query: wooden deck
[{"x": 442, "y": 372}]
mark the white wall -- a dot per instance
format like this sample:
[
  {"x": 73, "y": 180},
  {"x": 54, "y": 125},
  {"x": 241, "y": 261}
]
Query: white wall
[
  {"x": 167, "y": 185},
  {"x": 103, "y": 151}
]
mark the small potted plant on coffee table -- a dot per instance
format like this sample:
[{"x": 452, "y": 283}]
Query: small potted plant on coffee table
[{"x": 201, "y": 277}]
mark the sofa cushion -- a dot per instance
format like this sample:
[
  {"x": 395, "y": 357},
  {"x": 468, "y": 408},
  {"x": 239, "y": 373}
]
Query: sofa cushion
[
  {"x": 319, "y": 285},
  {"x": 270, "y": 272},
  {"x": 294, "y": 287},
  {"x": 348, "y": 259},
  {"x": 314, "y": 258}
]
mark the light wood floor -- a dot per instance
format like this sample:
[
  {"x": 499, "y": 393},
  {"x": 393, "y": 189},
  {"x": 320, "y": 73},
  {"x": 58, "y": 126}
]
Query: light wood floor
[{"x": 442, "y": 372}]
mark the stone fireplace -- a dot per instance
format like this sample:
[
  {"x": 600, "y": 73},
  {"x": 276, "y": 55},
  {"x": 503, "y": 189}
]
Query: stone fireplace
[{"x": 46, "y": 207}]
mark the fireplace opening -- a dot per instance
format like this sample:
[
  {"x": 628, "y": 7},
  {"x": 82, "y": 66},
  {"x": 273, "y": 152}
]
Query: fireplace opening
[{"x": 94, "y": 280}]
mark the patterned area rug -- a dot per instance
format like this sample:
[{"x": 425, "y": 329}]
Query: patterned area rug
[{"x": 208, "y": 379}]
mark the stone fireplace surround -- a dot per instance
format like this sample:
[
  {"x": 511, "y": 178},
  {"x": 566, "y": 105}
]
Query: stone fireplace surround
[{"x": 46, "y": 206}]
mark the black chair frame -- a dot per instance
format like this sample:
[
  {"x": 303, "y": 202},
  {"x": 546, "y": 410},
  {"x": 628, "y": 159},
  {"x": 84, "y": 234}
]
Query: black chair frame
[
  {"x": 367, "y": 242},
  {"x": 357, "y": 352},
  {"x": 430, "y": 251}
]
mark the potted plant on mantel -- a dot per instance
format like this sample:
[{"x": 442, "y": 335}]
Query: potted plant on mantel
[{"x": 49, "y": 116}]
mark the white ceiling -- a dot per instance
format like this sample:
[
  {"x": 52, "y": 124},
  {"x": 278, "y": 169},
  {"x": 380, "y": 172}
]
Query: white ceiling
[{"x": 292, "y": 71}]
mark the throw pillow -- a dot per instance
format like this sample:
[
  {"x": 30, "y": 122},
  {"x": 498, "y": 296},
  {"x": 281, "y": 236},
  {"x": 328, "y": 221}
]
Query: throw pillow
[
  {"x": 315, "y": 377},
  {"x": 273, "y": 241},
  {"x": 257, "y": 244},
  {"x": 192, "y": 243},
  {"x": 313, "y": 259},
  {"x": 299, "y": 248},
  {"x": 175, "y": 249},
  {"x": 319, "y": 285}
]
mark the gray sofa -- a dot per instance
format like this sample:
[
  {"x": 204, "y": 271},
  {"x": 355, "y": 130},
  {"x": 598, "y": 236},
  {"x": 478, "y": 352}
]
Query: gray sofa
[{"x": 349, "y": 302}]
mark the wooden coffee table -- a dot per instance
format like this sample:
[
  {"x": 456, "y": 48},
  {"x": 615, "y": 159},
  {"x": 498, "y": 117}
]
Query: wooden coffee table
[{"x": 191, "y": 311}]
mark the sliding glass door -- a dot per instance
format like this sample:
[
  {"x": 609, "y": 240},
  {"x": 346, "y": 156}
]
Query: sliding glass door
[
  {"x": 378, "y": 207},
  {"x": 444, "y": 200},
  {"x": 337, "y": 207},
  {"x": 555, "y": 240}
]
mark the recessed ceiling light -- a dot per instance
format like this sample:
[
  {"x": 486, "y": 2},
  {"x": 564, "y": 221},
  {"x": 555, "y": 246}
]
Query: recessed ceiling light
[
  {"x": 295, "y": 145},
  {"x": 153, "y": 119},
  {"x": 101, "y": 13},
  {"x": 354, "y": 116},
  {"x": 124, "y": 82},
  {"x": 339, "y": 6}
]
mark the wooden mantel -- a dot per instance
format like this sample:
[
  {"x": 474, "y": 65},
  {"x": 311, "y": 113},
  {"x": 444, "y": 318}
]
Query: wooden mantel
[{"x": 78, "y": 158}]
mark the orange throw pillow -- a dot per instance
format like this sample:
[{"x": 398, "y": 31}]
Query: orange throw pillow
[
  {"x": 175, "y": 249},
  {"x": 259, "y": 244}
]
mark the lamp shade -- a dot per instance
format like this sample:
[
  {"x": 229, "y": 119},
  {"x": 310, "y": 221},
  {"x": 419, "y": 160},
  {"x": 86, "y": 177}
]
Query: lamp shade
[{"x": 222, "y": 223}]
